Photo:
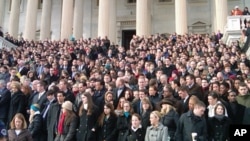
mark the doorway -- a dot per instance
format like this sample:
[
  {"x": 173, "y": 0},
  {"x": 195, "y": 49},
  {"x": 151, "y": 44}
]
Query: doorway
[{"x": 127, "y": 35}]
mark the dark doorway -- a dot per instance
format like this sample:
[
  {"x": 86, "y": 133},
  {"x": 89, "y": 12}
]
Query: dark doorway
[{"x": 127, "y": 35}]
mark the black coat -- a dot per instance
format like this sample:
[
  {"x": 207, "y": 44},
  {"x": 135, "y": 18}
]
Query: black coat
[
  {"x": 87, "y": 123},
  {"x": 123, "y": 124},
  {"x": 131, "y": 135},
  {"x": 189, "y": 123},
  {"x": 52, "y": 120},
  {"x": 5, "y": 97},
  {"x": 17, "y": 105},
  {"x": 170, "y": 120},
  {"x": 218, "y": 128},
  {"x": 107, "y": 132},
  {"x": 145, "y": 119},
  {"x": 35, "y": 127}
]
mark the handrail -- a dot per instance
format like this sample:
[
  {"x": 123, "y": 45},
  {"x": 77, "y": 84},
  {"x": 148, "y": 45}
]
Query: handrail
[{"x": 6, "y": 44}]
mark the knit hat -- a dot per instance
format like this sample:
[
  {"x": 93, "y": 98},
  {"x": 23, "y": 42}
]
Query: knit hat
[
  {"x": 35, "y": 107},
  {"x": 3, "y": 131},
  {"x": 67, "y": 105}
]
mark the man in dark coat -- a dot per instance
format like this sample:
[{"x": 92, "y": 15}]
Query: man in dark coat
[
  {"x": 192, "y": 122},
  {"x": 4, "y": 101},
  {"x": 120, "y": 90},
  {"x": 247, "y": 33},
  {"x": 53, "y": 116}
]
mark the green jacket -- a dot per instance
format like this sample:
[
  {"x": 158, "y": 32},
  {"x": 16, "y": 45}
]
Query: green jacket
[{"x": 244, "y": 100}]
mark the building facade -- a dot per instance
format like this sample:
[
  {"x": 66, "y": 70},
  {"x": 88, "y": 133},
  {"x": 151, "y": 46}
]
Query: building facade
[{"x": 117, "y": 19}]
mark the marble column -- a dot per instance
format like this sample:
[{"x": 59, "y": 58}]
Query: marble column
[
  {"x": 143, "y": 17},
  {"x": 221, "y": 14},
  {"x": 103, "y": 18},
  {"x": 67, "y": 19},
  {"x": 31, "y": 20},
  {"x": 2, "y": 8},
  {"x": 112, "y": 21},
  {"x": 14, "y": 18},
  {"x": 46, "y": 20},
  {"x": 78, "y": 19},
  {"x": 181, "y": 17}
]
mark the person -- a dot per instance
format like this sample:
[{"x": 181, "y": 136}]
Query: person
[
  {"x": 67, "y": 123},
  {"x": 5, "y": 97},
  {"x": 124, "y": 120},
  {"x": 3, "y": 132},
  {"x": 17, "y": 102},
  {"x": 35, "y": 121},
  {"x": 170, "y": 117},
  {"x": 53, "y": 116},
  {"x": 245, "y": 11},
  {"x": 107, "y": 124},
  {"x": 88, "y": 114},
  {"x": 136, "y": 132},
  {"x": 119, "y": 108},
  {"x": 247, "y": 34},
  {"x": 236, "y": 11},
  {"x": 218, "y": 125},
  {"x": 156, "y": 132},
  {"x": 18, "y": 129},
  {"x": 146, "y": 110},
  {"x": 192, "y": 122}
]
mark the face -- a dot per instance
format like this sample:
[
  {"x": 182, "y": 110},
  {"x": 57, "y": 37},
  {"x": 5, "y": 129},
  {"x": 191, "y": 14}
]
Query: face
[
  {"x": 242, "y": 90},
  {"x": 18, "y": 123},
  {"x": 199, "y": 111},
  {"x": 60, "y": 98},
  {"x": 126, "y": 107},
  {"x": 154, "y": 119},
  {"x": 109, "y": 97},
  {"x": 84, "y": 99},
  {"x": 219, "y": 110},
  {"x": 232, "y": 97},
  {"x": 135, "y": 121},
  {"x": 211, "y": 100},
  {"x": 107, "y": 110},
  {"x": 151, "y": 91},
  {"x": 145, "y": 106}
]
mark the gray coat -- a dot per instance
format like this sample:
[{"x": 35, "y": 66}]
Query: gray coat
[{"x": 157, "y": 134}]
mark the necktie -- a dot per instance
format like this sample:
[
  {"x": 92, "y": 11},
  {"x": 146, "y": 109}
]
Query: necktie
[{"x": 45, "y": 113}]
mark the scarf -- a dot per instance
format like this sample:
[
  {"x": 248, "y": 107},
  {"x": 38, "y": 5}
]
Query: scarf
[
  {"x": 219, "y": 117},
  {"x": 61, "y": 123},
  {"x": 126, "y": 114}
]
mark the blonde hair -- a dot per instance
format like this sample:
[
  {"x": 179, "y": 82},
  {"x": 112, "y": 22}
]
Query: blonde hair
[
  {"x": 167, "y": 109},
  {"x": 157, "y": 114},
  {"x": 21, "y": 117}
]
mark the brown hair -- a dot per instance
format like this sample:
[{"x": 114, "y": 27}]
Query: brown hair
[
  {"x": 112, "y": 113},
  {"x": 21, "y": 117},
  {"x": 90, "y": 104}
]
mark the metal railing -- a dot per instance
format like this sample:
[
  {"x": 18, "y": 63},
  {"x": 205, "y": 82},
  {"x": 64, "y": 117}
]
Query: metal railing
[{"x": 6, "y": 44}]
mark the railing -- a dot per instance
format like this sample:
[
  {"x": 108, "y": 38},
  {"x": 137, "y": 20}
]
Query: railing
[
  {"x": 237, "y": 22},
  {"x": 6, "y": 44}
]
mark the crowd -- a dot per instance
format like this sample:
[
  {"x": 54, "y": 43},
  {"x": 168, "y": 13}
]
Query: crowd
[{"x": 176, "y": 88}]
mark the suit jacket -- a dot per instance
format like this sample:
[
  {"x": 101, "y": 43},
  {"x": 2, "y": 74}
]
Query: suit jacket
[
  {"x": 43, "y": 99},
  {"x": 116, "y": 97},
  {"x": 5, "y": 97},
  {"x": 23, "y": 71}
]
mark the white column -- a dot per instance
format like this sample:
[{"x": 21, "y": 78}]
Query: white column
[
  {"x": 112, "y": 21},
  {"x": 2, "y": 8},
  {"x": 221, "y": 14},
  {"x": 143, "y": 17},
  {"x": 31, "y": 20},
  {"x": 181, "y": 16},
  {"x": 78, "y": 19},
  {"x": 46, "y": 20},
  {"x": 103, "y": 18},
  {"x": 67, "y": 19},
  {"x": 14, "y": 18}
]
